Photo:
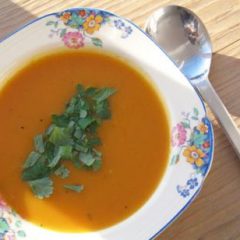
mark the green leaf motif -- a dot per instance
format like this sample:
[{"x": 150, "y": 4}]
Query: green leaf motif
[
  {"x": 50, "y": 23},
  {"x": 175, "y": 159},
  {"x": 185, "y": 124},
  {"x": 77, "y": 21},
  {"x": 194, "y": 118},
  {"x": 18, "y": 223},
  {"x": 21, "y": 233},
  {"x": 4, "y": 227},
  {"x": 107, "y": 19},
  {"x": 63, "y": 32},
  {"x": 195, "y": 111},
  {"x": 97, "y": 42},
  {"x": 198, "y": 139}
]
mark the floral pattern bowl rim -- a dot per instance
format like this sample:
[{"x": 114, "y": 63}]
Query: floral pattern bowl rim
[{"x": 192, "y": 141}]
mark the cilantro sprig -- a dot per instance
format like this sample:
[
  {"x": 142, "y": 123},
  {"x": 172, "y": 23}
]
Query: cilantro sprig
[{"x": 72, "y": 136}]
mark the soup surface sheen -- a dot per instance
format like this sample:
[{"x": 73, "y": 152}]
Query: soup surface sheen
[{"x": 135, "y": 140}]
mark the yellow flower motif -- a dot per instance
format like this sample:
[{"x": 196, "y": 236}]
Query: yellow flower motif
[
  {"x": 66, "y": 17},
  {"x": 92, "y": 23},
  {"x": 194, "y": 155},
  {"x": 202, "y": 128}
]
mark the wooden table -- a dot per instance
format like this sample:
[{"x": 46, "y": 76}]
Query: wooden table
[{"x": 215, "y": 214}]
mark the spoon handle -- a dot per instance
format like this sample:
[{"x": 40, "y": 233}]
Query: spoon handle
[{"x": 231, "y": 130}]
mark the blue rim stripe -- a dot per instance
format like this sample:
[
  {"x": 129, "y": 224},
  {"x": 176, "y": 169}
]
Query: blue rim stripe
[{"x": 211, "y": 135}]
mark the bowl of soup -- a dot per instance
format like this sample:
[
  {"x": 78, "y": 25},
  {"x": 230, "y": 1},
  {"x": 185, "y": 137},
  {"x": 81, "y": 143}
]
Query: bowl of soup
[{"x": 102, "y": 137}]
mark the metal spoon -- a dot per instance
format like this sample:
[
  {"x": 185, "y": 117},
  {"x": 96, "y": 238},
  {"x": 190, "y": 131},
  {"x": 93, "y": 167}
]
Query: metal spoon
[{"x": 184, "y": 38}]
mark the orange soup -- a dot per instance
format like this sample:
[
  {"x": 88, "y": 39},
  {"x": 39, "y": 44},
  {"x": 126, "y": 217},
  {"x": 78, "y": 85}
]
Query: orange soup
[{"x": 135, "y": 141}]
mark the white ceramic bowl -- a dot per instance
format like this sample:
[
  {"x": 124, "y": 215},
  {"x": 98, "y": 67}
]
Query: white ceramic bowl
[{"x": 192, "y": 134}]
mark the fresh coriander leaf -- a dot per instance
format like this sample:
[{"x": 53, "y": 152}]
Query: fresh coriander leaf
[
  {"x": 92, "y": 128},
  {"x": 80, "y": 90},
  {"x": 97, "y": 165},
  {"x": 85, "y": 122},
  {"x": 75, "y": 160},
  {"x": 97, "y": 153},
  {"x": 71, "y": 127},
  {"x": 62, "y": 152},
  {"x": 57, "y": 135},
  {"x": 74, "y": 187},
  {"x": 60, "y": 136},
  {"x": 71, "y": 106},
  {"x": 62, "y": 172},
  {"x": 32, "y": 159},
  {"x": 50, "y": 129},
  {"x": 55, "y": 160},
  {"x": 42, "y": 188},
  {"x": 39, "y": 144},
  {"x": 38, "y": 170},
  {"x": 91, "y": 91},
  {"x": 83, "y": 113},
  {"x": 103, "y": 94},
  {"x": 81, "y": 148},
  {"x": 60, "y": 120},
  {"x": 94, "y": 141},
  {"x": 71, "y": 136},
  {"x": 71, "y": 124},
  {"x": 49, "y": 151},
  {"x": 102, "y": 110},
  {"x": 66, "y": 152},
  {"x": 78, "y": 133},
  {"x": 87, "y": 158}
]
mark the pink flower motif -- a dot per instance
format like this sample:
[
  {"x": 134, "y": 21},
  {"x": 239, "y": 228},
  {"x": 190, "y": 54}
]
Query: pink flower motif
[
  {"x": 9, "y": 236},
  {"x": 2, "y": 204},
  {"x": 73, "y": 39},
  {"x": 179, "y": 135}
]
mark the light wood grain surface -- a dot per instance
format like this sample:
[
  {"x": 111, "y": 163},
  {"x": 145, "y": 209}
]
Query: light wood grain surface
[{"x": 215, "y": 214}]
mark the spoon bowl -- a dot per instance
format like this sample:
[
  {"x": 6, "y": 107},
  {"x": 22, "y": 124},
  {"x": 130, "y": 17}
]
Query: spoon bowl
[{"x": 184, "y": 38}]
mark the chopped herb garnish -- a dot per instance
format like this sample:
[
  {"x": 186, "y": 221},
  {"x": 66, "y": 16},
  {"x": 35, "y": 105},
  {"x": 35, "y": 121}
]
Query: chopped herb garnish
[
  {"x": 62, "y": 172},
  {"x": 74, "y": 187},
  {"x": 71, "y": 136},
  {"x": 39, "y": 145},
  {"x": 32, "y": 159},
  {"x": 42, "y": 188}
]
